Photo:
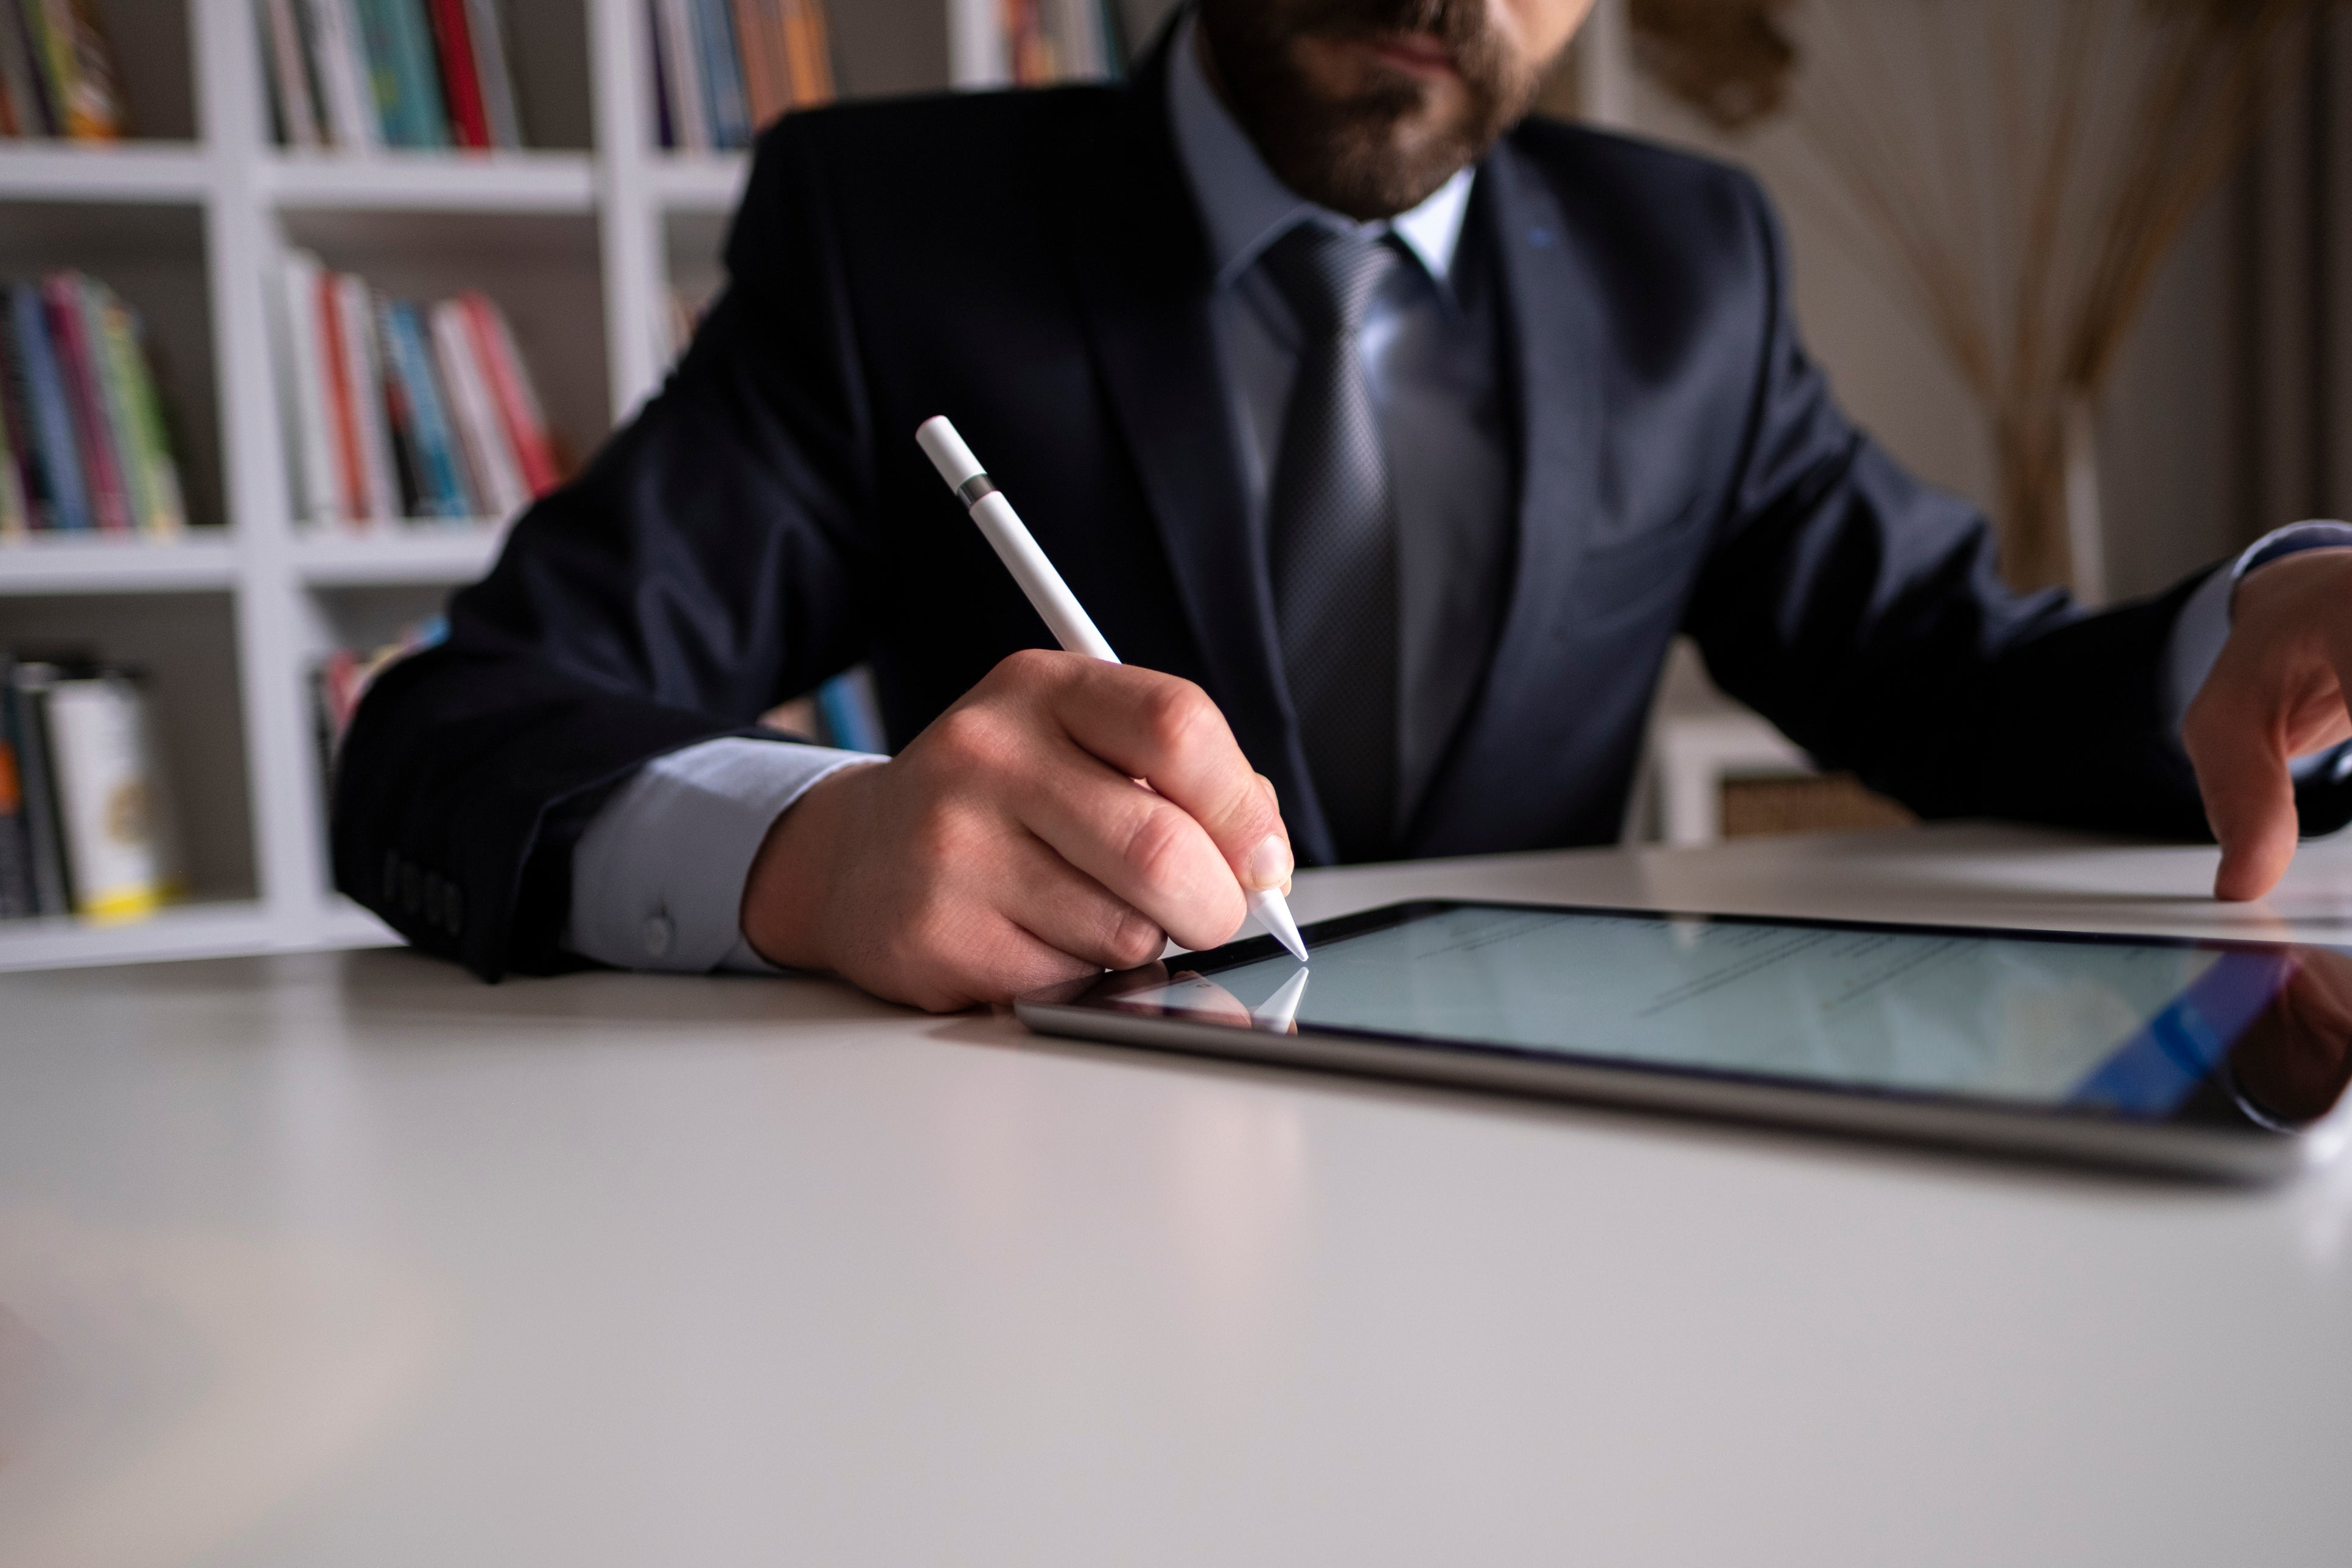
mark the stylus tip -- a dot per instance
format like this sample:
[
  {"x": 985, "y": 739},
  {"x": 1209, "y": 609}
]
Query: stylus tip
[{"x": 1274, "y": 914}]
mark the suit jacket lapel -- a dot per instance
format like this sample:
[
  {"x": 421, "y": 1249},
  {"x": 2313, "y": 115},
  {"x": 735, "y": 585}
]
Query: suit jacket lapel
[
  {"x": 1144, "y": 286},
  {"x": 1555, "y": 339}
]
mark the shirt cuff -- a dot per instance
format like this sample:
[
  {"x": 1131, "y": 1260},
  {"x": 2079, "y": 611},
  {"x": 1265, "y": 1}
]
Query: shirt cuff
[
  {"x": 2204, "y": 622},
  {"x": 658, "y": 878}
]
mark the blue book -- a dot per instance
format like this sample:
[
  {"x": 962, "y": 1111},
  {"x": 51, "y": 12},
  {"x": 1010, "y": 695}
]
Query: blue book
[
  {"x": 407, "y": 102},
  {"x": 44, "y": 397},
  {"x": 722, "y": 75},
  {"x": 444, "y": 486},
  {"x": 420, "y": 74}
]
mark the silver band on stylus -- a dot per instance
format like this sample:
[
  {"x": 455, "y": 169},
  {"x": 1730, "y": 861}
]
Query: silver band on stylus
[{"x": 975, "y": 489}]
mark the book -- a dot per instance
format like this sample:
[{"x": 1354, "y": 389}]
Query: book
[
  {"x": 96, "y": 112},
  {"x": 109, "y": 501},
  {"x": 520, "y": 415},
  {"x": 500, "y": 483},
  {"x": 301, "y": 371},
  {"x": 808, "y": 51},
  {"x": 681, "y": 72},
  {"x": 441, "y": 474},
  {"x": 423, "y": 110},
  {"x": 722, "y": 75},
  {"x": 127, "y": 336},
  {"x": 24, "y": 108},
  {"x": 67, "y": 496},
  {"x": 767, "y": 77},
  {"x": 488, "y": 38},
  {"x": 341, "y": 402},
  {"x": 114, "y": 810},
  {"x": 290, "y": 77},
  {"x": 18, "y": 900},
  {"x": 15, "y": 509},
  {"x": 69, "y": 52},
  {"x": 88, "y": 299},
  {"x": 28, "y": 682},
  {"x": 461, "y": 87},
  {"x": 363, "y": 380},
  {"x": 343, "y": 74}
]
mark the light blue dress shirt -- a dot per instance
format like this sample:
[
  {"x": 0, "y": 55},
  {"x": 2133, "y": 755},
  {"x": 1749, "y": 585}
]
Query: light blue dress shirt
[{"x": 657, "y": 878}]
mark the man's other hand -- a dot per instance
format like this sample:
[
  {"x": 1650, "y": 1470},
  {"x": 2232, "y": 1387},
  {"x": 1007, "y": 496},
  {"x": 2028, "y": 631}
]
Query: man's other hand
[
  {"x": 1010, "y": 846},
  {"x": 2278, "y": 692}
]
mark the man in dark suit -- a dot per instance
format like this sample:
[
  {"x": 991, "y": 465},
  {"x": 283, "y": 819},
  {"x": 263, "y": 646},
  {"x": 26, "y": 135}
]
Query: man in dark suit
[{"x": 1391, "y": 437}]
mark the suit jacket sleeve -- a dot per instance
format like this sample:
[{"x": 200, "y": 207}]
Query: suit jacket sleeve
[
  {"x": 710, "y": 562},
  {"x": 1860, "y": 611}
]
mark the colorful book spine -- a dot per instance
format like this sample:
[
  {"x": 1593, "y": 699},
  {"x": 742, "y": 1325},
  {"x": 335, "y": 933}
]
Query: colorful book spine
[
  {"x": 461, "y": 86},
  {"x": 78, "y": 367},
  {"x": 808, "y": 51},
  {"x": 290, "y": 77},
  {"x": 490, "y": 72},
  {"x": 351, "y": 473},
  {"x": 112, "y": 382},
  {"x": 492, "y": 460},
  {"x": 519, "y": 414},
  {"x": 363, "y": 376},
  {"x": 421, "y": 109},
  {"x": 689, "y": 121},
  {"x": 19, "y": 898},
  {"x": 15, "y": 506},
  {"x": 310, "y": 415},
  {"x": 24, "y": 105},
  {"x": 767, "y": 83},
  {"x": 444, "y": 482},
  {"x": 16, "y": 416},
  {"x": 343, "y": 74},
  {"x": 112, "y": 806},
  {"x": 301, "y": 359},
  {"x": 722, "y": 75},
  {"x": 52, "y": 418},
  {"x": 127, "y": 337},
  {"x": 28, "y": 688},
  {"x": 95, "y": 110}
]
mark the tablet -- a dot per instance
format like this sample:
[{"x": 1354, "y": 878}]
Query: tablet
[{"x": 2224, "y": 1058}]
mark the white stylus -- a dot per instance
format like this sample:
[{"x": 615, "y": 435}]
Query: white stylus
[{"x": 1054, "y": 603}]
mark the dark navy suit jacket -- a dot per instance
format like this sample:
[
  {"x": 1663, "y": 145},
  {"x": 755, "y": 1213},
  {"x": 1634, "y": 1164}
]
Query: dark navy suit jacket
[{"x": 1032, "y": 265}]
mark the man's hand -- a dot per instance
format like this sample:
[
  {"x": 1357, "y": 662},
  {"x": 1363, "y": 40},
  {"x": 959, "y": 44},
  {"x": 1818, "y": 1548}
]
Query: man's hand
[
  {"x": 1009, "y": 847},
  {"x": 2278, "y": 690}
]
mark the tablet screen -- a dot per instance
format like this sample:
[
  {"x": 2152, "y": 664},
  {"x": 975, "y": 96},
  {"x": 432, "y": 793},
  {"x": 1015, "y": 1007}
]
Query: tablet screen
[{"x": 2127, "y": 1026}]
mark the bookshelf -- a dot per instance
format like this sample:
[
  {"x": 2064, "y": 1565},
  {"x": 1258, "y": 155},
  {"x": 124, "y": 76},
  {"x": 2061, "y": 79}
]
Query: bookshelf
[
  {"x": 579, "y": 239},
  {"x": 586, "y": 230}
]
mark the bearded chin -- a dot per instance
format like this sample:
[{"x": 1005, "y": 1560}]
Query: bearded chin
[
  {"x": 1370, "y": 157},
  {"x": 1377, "y": 153}
]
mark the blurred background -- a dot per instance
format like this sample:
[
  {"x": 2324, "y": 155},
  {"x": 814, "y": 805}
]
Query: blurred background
[{"x": 306, "y": 298}]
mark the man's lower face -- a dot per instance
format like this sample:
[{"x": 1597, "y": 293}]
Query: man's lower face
[{"x": 1368, "y": 106}]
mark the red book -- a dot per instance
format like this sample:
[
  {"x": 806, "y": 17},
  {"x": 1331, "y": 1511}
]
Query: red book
[
  {"x": 341, "y": 413},
  {"x": 461, "y": 88},
  {"x": 519, "y": 409},
  {"x": 78, "y": 364}
]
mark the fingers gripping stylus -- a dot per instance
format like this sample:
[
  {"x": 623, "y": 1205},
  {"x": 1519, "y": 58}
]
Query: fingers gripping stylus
[{"x": 1052, "y": 598}]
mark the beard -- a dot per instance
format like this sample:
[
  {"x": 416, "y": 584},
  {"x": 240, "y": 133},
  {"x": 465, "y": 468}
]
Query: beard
[{"x": 1385, "y": 146}]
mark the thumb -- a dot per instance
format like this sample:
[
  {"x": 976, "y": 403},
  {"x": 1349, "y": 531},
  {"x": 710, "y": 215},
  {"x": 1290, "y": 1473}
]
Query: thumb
[{"x": 2238, "y": 749}]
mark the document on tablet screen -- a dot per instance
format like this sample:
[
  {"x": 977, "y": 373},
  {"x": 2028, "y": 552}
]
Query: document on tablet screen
[{"x": 2127, "y": 1024}]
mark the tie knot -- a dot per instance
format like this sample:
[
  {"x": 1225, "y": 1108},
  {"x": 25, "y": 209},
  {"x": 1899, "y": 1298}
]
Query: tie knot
[{"x": 1329, "y": 277}]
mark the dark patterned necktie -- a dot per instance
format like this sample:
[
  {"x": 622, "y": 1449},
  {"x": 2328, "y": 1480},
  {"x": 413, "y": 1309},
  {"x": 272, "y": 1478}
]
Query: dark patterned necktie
[{"x": 1333, "y": 539}]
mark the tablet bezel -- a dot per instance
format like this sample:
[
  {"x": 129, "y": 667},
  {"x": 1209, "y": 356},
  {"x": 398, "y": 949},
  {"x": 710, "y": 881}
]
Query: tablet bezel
[{"x": 2209, "y": 1132}]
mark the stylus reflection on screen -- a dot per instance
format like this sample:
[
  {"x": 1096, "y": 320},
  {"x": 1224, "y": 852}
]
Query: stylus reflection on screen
[{"x": 1279, "y": 1012}]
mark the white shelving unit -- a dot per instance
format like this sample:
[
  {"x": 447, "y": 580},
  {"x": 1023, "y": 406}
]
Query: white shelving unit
[{"x": 578, "y": 239}]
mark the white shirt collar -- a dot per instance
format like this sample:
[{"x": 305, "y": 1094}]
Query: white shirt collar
[{"x": 1246, "y": 208}]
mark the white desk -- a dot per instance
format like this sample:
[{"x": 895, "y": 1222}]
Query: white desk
[{"x": 351, "y": 1260}]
